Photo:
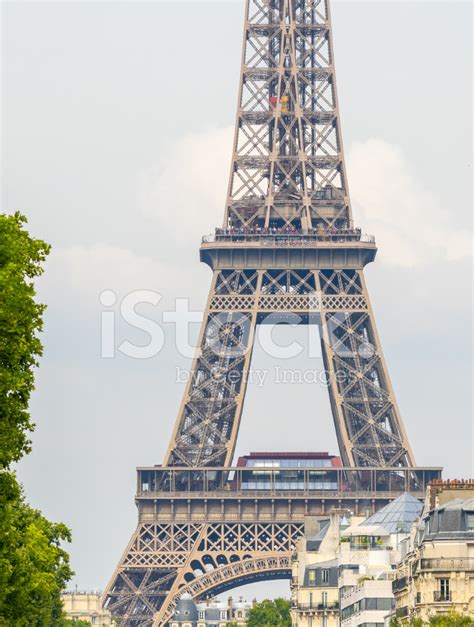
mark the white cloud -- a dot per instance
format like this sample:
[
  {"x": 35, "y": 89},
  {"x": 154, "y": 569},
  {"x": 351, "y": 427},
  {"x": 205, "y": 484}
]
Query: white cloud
[
  {"x": 185, "y": 191},
  {"x": 77, "y": 275},
  {"x": 408, "y": 221}
]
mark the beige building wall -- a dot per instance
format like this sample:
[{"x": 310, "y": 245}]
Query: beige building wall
[
  {"x": 435, "y": 579},
  {"x": 86, "y": 606}
]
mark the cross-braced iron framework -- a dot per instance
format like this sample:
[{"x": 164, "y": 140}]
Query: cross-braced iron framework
[
  {"x": 288, "y": 163},
  {"x": 164, "y": 560},
  {"x": 288, "y": 251},
  {"x": 368, "y": 423}
]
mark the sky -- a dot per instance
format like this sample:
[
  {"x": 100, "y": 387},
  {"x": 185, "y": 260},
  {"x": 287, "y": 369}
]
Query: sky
[{"x": 117, "y": 123}]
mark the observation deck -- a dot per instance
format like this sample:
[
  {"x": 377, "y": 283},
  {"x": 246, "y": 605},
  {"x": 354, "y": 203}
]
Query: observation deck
[
  {"x": 283, "y": 493},
  {"x": 276, "y": 248}
]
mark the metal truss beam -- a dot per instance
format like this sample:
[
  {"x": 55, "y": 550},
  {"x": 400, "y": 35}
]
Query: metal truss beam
[
  {"x": 288, "y": 163},
  {"x": 366, "y": 416}
]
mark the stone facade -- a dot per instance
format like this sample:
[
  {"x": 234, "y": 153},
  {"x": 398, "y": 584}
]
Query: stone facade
[
  {"x": 86, "y": 606},
  {"x": 343, "y": 568},
  {"x": 436, "y": 574}
]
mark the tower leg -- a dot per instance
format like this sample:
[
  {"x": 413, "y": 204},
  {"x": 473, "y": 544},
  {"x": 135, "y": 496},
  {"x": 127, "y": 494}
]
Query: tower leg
[
  {"x": 368, "y": 423},
  {"x": 208, "y": 421}
]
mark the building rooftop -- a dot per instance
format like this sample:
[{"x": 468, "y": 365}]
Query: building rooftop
[
  {"x": 454, "y": 520},
  {"x": 185, "y": 609},
  {"x": 313, "y": 574},
  {"x": 327, "y": 564},
  {"x": 313, "y": 543},
  {"x": 398, "y": 516},
  {"x": 466, "y": 505}
]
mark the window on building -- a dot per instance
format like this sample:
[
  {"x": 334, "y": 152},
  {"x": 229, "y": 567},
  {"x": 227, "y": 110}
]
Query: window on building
[
  {"x": 385, "y": 604},
  {"x": 312, "y": 577},
  {"x": 223, "y": 614},
  {"x": 428, "y": 525},
  {"x": 470, "y": 522},
  {"x": 444, "y": 588},
  {"x": 376, "y": 603},
  {"x": 325, "y": 575},
  {"x": 201, "y": 615},
  {"x": 324, "y": 598}
]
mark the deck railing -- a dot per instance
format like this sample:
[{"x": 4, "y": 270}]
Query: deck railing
[
  {"x": 291, "y": 481},
  {"x": 284, "y": 238},
  {"x": 317, "y": 607},
  {"x": 447, "y": 563}
]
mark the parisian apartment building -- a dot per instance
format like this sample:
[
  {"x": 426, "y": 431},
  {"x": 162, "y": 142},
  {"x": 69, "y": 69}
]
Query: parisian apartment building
[
  {"x": 436, "y": 573},
  {"x": 210, "y": 613},
  {"x": 409, "y": 560}
]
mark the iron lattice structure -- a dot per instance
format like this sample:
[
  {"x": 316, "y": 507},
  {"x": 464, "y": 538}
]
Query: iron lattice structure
[
  {"x": 367, "y": 420},
  {"x": 288, "y": 248},
  {"x": 288, "y": 162}
]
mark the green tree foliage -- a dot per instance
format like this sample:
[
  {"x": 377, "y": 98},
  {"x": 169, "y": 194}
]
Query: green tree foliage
[
  {"x": 452, "y": 619},
  {"x": 21, "y": 259},
  {"x": 270, "y": 614},
  {"x": 34, "y": 568}
]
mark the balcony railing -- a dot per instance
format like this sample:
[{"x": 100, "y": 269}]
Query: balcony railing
[
  {"x": 441, "y": 597},
  {"x": 369, "y": 547},
  {"x": 399, "y": 584},
  {"x": 447, "y": 564},
  {"x": 254, "y": 482},
  {"x": 273, "y": 237},
  {"x": 401, "y": 612},
  {"x": 318, "y": 607}
]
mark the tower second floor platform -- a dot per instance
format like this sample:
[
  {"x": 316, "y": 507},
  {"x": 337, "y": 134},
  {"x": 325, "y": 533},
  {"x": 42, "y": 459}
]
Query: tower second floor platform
[{"x": 266, "y": 248}]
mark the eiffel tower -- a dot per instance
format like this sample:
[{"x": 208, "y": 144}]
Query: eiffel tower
[{"x": 288, "y": 247}]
